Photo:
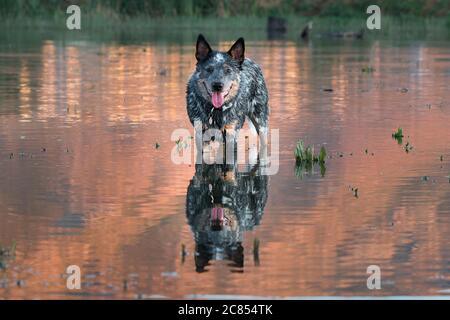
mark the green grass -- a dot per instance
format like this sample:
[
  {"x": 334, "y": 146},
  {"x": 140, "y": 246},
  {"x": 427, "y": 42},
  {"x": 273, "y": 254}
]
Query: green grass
[
  {"x": 305, "y": 159},
  {"x": 226, "y": 8},
  {"x": 392, "y": 27},
  {"x": 306, "y": 154}
]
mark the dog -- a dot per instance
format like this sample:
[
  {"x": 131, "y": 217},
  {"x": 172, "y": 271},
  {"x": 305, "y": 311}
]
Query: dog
[
  {"x": 221, "y": 204},
  {"x": 225, "y": 88}
]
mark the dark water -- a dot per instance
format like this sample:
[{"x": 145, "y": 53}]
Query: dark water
[{"x": 82, "y": 182}]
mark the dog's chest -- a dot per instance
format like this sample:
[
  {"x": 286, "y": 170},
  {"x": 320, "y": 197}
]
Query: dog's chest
[{"x": 217, "y": 119}]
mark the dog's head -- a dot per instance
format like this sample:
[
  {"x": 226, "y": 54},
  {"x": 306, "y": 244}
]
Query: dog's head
[{"x": 218, "y": 73}]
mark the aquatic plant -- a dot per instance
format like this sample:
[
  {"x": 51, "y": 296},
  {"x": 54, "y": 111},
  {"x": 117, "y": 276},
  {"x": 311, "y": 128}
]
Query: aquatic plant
[
  {"x": 306, "y": 154},
  {"x": 256, "y": 251},
  {"x": 398, "y": 135},
  {"x": 302, "y": 154},
  {"x": 408, "y": 147},
  {"x": 181, "y": 144},
  {"x": 184, "y": 253},
  {"x": 322, "y": 154},
  {"x": 8, "y": 251},
  {"x": 367, "y": 69},
  {"x": 305, "y": 158},
  {"x": 354, "y": 191}
]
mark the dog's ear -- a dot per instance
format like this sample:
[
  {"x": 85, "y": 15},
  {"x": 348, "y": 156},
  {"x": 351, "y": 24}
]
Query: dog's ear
[
  {"x": 237, "y": 50},
  {"x": 202, "y": 49}
]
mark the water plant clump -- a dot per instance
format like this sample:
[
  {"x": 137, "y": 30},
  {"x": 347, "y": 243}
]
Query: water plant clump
[
  {"x": 367, "y": 69},
  {"x": 305, "y": 159},
  {"x": 398, "y": 135},
  {"x": 8, "y": 251},
  {"x": 306, "y": 155}
]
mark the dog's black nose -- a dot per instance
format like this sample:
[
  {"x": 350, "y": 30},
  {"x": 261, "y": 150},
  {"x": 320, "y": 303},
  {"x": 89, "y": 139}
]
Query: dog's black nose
[{"x": 217, "y": 86}]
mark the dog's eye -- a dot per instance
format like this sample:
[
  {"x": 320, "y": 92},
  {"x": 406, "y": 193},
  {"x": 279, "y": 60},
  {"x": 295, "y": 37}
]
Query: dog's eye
[
  {"x": 209, "y": 69},
  {"x": 227, "y": 70}
]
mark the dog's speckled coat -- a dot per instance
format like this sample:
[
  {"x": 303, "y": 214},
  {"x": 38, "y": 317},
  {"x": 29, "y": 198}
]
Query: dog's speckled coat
[{"x": 251, "y": 99}]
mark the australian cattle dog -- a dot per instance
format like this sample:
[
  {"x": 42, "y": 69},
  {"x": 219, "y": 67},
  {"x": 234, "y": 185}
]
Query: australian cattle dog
[{"x": 225, "y": 88}]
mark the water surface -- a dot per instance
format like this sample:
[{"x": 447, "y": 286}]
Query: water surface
[{"x": 82, "y": 182}]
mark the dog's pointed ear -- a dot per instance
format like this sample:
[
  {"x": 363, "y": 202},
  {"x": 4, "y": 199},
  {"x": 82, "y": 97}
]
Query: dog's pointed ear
[
  {"x": 237, "y": 50},
  {"x": 202, "y": 49}
]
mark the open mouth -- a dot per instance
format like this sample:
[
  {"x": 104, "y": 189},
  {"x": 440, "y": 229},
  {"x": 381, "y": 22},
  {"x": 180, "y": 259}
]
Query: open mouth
[{"x": 217, "y": 97}]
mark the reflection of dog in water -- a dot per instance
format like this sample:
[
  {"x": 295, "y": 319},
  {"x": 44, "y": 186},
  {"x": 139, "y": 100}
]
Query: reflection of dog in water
[{"x": 221, "y": 204}]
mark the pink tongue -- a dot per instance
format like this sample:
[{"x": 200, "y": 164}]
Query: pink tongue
[
  {"x": 217, "y": 214},
  {"x": 217, "y": 99}
]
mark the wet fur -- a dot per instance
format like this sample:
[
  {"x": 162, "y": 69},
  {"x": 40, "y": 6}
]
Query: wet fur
[{"x": 249, "y": 98}]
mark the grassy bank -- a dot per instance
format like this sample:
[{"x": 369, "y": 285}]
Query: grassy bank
[
  {"x": 393, "y": 27},
  {"x": 227, "y": 8}
]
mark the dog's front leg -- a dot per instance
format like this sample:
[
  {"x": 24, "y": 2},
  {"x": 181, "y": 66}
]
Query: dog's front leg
[
  {"x": 263, "y": 139},
  {"x": 231, "y": 135}
]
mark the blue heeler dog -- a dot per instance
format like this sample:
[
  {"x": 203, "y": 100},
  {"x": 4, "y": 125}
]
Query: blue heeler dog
[{"x": 225, "y": 88}]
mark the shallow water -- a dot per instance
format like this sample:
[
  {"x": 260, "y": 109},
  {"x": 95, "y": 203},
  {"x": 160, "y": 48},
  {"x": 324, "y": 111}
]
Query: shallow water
[{"x": 82, "y": 182}]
